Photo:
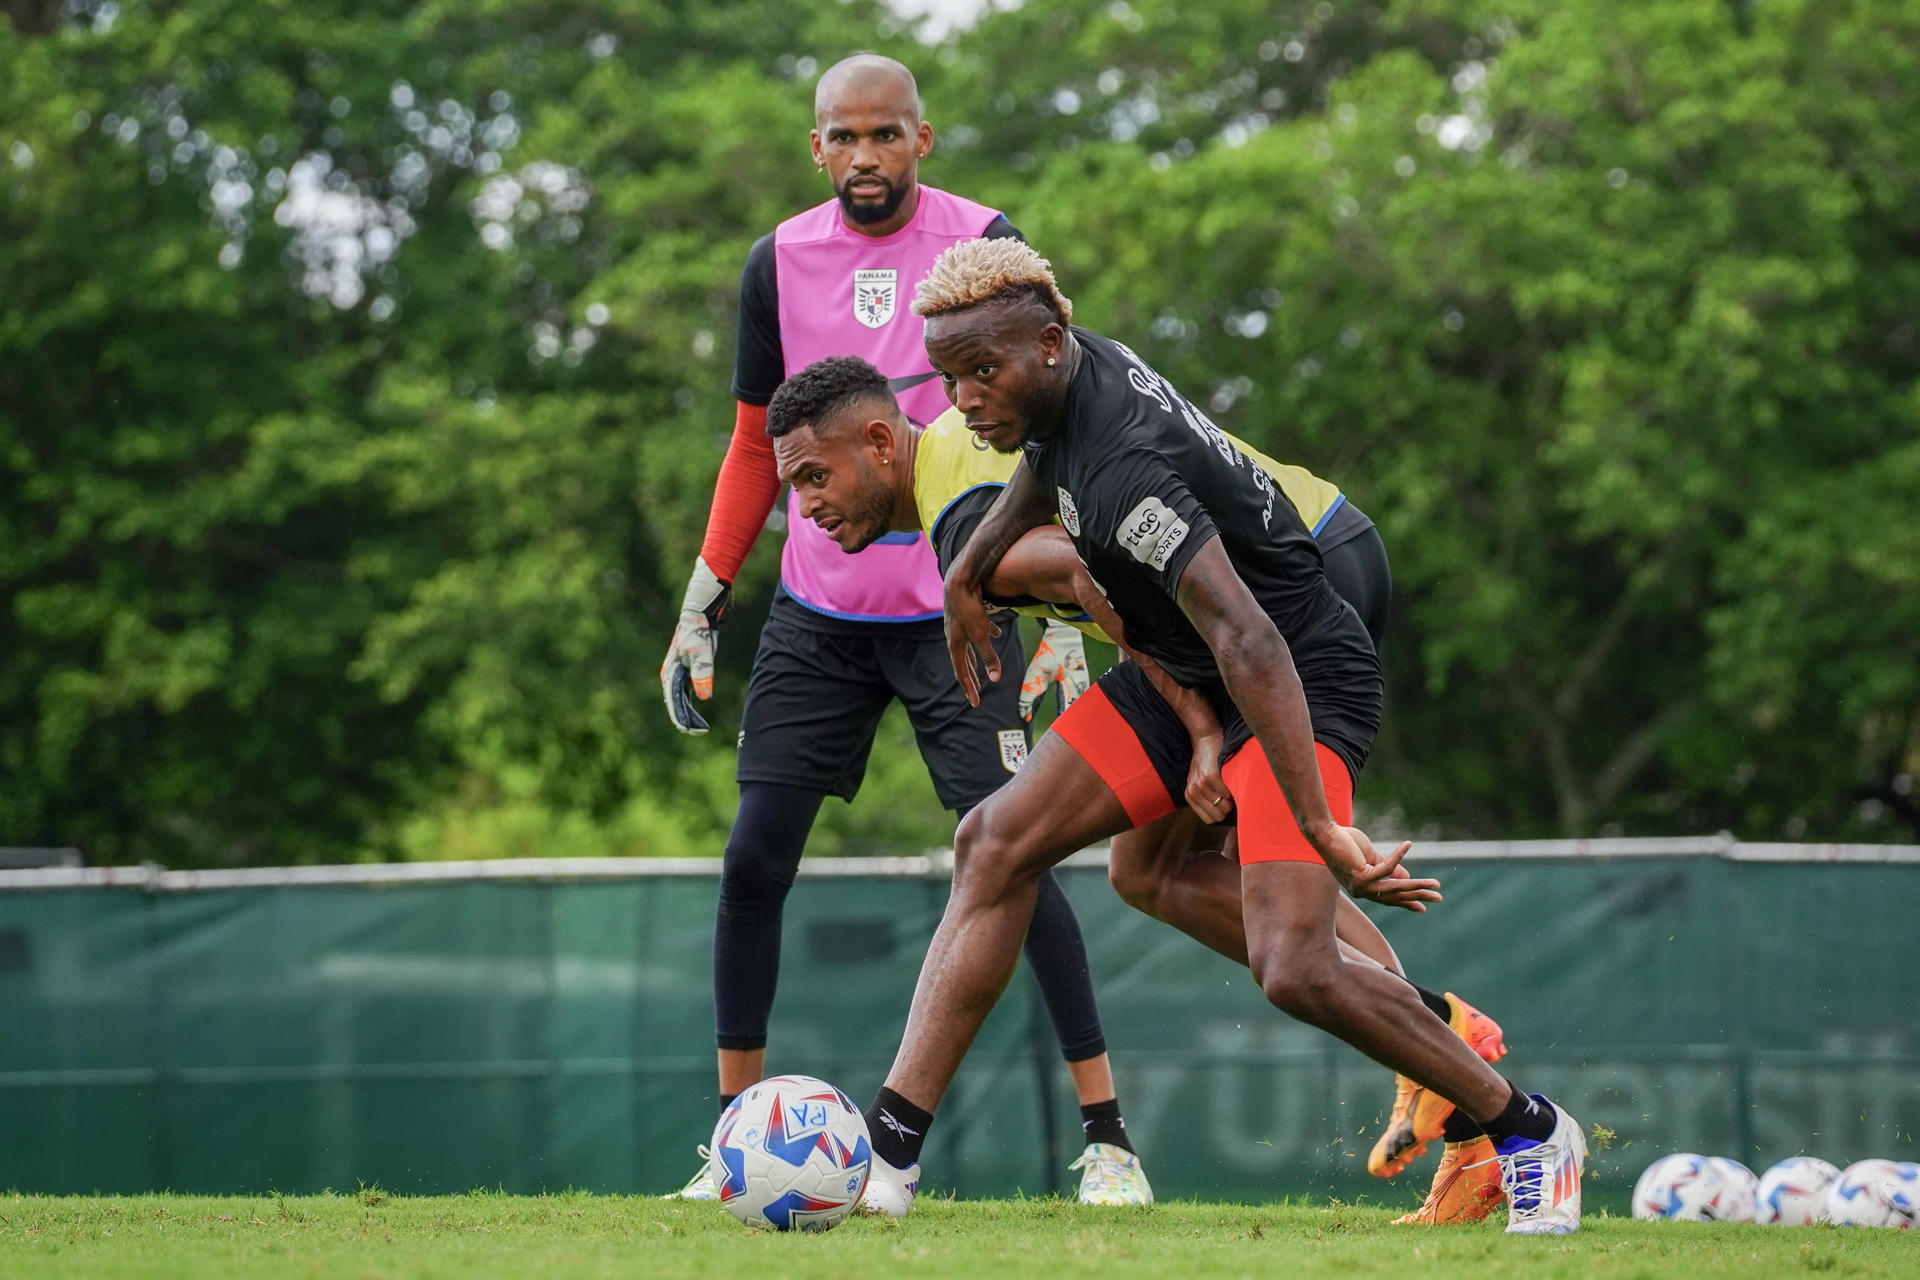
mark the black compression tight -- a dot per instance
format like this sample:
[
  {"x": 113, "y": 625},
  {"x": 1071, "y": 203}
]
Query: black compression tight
[{"x": 762, "y": 856}]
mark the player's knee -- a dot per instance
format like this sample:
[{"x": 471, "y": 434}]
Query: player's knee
[
  {"x": 753, "y": 880},
  {"x": 979, "y": 849},
  {"x": 987, "y": 853},
  {"x": 1298, "y": 987},
  {"x": 1138, "y": 885},
  {"x": 746, "y": 894}
]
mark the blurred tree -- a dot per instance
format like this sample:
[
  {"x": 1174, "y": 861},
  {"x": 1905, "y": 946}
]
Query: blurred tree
[
  {"x": 1569, "y": 311},
  {"x": 340, "y": 425},
  {"x": 177, "y": 598},
  {"x": 363, "y": 379}
]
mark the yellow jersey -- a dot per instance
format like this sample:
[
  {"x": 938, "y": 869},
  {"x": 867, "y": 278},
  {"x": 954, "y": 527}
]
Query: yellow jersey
[{"x": 953, "y": 463}]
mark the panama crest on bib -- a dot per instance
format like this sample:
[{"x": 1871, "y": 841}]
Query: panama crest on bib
[{"x": 875, "y": 292}]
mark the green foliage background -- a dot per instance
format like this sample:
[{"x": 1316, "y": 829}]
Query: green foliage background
[{"x": 363, "y": 380}]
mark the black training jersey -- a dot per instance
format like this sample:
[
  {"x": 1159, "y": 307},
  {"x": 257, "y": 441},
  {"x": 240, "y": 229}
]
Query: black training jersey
[{"x": 1142, "y": 480}]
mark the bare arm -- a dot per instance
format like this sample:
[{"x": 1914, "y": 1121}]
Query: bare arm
[
  {"x": 1022, "y": 505},
  {"x": 1260, "y": 677},
  {"x": 1041, "y": 563}
]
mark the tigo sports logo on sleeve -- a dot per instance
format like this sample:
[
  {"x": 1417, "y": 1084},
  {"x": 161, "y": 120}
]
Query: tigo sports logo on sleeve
[{"x": 1152, "y": 533}]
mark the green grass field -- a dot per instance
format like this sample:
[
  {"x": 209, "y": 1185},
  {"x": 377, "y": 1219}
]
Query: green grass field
[{"x": 371, "y": 1236}]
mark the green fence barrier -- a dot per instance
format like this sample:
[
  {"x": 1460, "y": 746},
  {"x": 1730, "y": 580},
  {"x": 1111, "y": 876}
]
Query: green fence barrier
[{"x": 549, "y": 1025}]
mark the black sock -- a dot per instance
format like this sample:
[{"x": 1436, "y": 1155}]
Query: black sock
[
  {"x": 897, "y": 1128},
  {"x": 1103, "y": 1123},
  {"x": 1522, "y": 1118},
  {"x": 726, "y": 1100},
  {"x": 1460, "y": 1127},
  {"x": 1437, "y": 1003}
]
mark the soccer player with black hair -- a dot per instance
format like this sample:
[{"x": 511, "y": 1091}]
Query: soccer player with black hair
[{"x": 860, "y": 470}]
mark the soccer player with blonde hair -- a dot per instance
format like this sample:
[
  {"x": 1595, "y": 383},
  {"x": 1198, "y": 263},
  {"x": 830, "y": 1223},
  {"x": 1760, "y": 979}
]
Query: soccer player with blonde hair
[{"x": 1220, "y": 583}]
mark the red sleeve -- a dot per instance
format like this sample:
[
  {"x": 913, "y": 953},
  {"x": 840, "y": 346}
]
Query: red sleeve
[{"x": 744, "y": 495}]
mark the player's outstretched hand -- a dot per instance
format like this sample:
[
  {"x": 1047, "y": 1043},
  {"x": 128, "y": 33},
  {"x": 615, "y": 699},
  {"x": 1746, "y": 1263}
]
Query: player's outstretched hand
[
  {"x": 1207, "y": 792},
  {"x": 970, "y": 636},
  {"x": 1365, "y": 873}
]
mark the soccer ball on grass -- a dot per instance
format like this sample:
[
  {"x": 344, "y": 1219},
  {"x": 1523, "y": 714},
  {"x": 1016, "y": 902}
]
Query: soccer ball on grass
[
  {"x": 1739, "y": 1191},
  {"x": 1691, "y": 1188},
  {"x": 791, "y": 1153},
  {"x": 1794, "y": 1192},
  {"x": 1876, "y": 1193}
]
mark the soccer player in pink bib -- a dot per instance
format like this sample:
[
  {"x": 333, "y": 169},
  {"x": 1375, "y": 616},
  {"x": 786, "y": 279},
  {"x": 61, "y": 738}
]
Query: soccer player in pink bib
[{"x": 848, "y": 633}]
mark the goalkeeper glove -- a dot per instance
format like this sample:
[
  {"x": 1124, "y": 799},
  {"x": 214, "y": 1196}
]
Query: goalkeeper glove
[
  {"x": 688, "y": 671},
  {"x": 1062, "y": 659}
]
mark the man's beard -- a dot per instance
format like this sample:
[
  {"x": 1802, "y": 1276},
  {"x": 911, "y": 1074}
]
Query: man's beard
[
  {"x": 868, "y": 214},
  {"x": 872, "y": 512}
]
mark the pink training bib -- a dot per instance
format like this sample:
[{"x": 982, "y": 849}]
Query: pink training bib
[{"x": 842, "y": 293}]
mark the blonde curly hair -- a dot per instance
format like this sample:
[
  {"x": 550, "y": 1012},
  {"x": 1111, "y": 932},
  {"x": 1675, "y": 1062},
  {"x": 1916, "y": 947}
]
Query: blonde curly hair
[{"x": 975, "y": 272}]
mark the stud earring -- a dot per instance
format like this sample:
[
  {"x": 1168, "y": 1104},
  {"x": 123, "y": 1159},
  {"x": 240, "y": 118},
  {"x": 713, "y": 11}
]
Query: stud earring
[{"x": 1049, "y": 362}]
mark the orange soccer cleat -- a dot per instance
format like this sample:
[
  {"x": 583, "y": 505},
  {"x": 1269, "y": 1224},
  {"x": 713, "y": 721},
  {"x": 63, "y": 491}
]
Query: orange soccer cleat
[
  {"x": 1419, "y": 1114},
  {"x": 1466, "y": 1187}
]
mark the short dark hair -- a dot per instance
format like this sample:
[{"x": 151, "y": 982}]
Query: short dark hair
[{"x": 823, "y": 389}]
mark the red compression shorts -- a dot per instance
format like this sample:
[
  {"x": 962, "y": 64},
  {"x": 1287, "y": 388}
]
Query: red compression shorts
[
  {"x": 1109, "y": 743},
  {"x": 1262, "y": 815},
  {"x": 1095, "y": 729}
]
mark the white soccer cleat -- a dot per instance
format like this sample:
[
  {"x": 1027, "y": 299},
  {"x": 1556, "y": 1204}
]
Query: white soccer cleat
[
  {"x": 1111, "y": 1175},
  {"x": 1542, "y": 1179},
  {"x": 889, "y": 1190},
  {"x": 700, "y": 1185}
]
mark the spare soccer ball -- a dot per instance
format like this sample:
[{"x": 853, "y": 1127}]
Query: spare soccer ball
[
  {"x": 1739, "y": 1190},
  {"x": 791, "y": 1153},
  {"x": 1876, "y": 1193},
  {"x": 1692, "y": 1188},
  {"x": 1794, "y": 1192}
]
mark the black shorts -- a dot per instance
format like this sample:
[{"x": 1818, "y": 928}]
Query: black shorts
[
  {"x": 1345, "y": 705},
  {"x": 817, "y": 695},
  {"x": 1356, "y": 562}
]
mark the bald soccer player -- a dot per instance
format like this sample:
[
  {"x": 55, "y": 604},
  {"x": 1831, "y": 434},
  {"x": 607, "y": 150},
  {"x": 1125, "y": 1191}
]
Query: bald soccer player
[{"x": 847, "y": 635}]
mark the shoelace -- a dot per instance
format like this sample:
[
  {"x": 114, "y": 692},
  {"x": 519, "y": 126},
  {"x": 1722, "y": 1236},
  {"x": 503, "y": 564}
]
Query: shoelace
[
  {"x": 1103, "y": 1171},
  {"x": 1512, "y": 1176},
  {"x": 706, "y": 1166}
]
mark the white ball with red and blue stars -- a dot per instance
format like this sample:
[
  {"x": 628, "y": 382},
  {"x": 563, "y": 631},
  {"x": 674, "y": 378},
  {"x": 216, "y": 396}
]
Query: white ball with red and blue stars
[
  {"x": 1739, "y": 1190},
  {"x": 1793, "y": 1193},
  {"x": 1876, "y": 1193},
  {"x": 791, "y": 1153},
  {"x": 1690, "y": 1188}
]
